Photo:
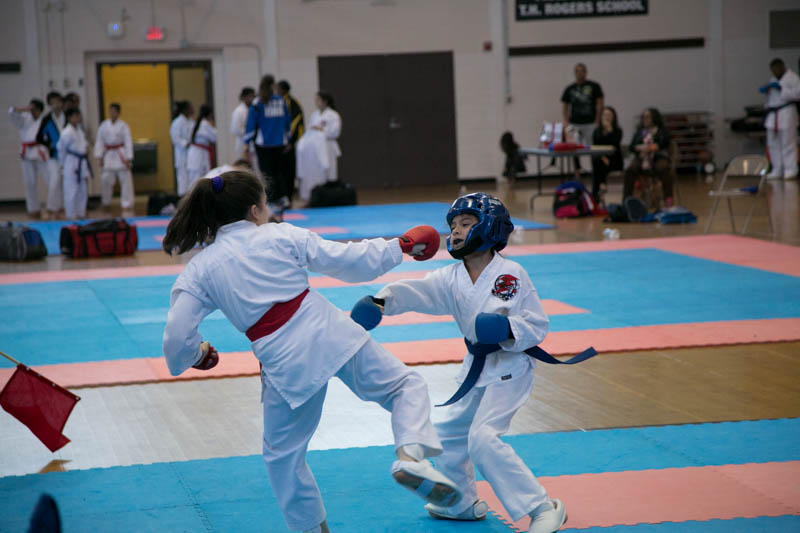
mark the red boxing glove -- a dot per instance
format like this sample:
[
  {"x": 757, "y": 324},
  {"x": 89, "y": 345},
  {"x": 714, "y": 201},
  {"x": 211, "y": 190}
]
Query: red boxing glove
[
  {"x": 210, "y": 357},
  {"x": 420, "y": 242}
]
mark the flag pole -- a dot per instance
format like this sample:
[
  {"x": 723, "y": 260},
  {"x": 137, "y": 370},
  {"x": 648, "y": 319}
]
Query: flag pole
[{"x": 11, "y": 358}]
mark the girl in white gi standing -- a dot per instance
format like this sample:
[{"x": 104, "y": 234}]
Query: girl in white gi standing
[
  {"x": 180, "y": 131},
  {"x": 34, "y": 156},
  {"x": 783, "y": 94},
  {"x": 318, "y": 152},
  {"x": 249, "y": 266},
  {"x": 73, "y": 154},
  {"x": 114, "y": 148},
  {"x": 200, "y": 156},
  {"x": 493, "y": 302}
]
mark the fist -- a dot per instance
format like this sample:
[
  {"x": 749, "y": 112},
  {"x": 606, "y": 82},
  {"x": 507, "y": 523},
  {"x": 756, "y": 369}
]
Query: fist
[
  {"x": 210, "y": 357},
  {"x": 367, "y": 312},
  {"x": 420, "y": 242},
  {"x": 492, "y": 328}
]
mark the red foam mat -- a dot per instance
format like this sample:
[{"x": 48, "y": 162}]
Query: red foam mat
[{"x": 692, "y": 493}]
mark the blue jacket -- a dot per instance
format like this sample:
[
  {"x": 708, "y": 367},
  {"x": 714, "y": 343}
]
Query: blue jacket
[
  {"x": 48, "y": 135},
  {"x": 268, "y": 125}
]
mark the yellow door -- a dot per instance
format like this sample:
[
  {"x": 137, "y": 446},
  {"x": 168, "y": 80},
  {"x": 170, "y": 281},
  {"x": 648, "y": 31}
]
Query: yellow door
[{"x": 143, "y": 92}]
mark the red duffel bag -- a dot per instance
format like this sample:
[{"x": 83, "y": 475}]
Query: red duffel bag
[{"x": 101, "y": 238}]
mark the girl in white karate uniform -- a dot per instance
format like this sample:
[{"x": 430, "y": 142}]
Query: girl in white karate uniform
[
  {"x": 200, "y": 156},
  {"x": 318, "y": 149},
  {"x": 114, "y": 148},
  {"x": 255, "y": 272},
  {"x": 493, "y": 302},
  {"x": 180, "y": 131},
  {"x": 73, "y": 154}
]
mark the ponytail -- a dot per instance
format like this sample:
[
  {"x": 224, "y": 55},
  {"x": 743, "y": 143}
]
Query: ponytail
[
  {"x": 205, "y": 112},
  {"x": 203, "y": 211}
]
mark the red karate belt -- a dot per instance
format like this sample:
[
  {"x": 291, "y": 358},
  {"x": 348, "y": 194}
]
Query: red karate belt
[
  {"x": 31, "y": 144},
  {"x": 278, "y": 315},
  {"x": 210, "y": 149},
  {"x": 40, "y": 404},
  {"x": 118, "y": 148}
]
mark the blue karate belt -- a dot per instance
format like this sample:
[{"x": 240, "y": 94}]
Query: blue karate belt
[
  {"x": 480, "y": 351},
  {"x": 81, "y": 158}
]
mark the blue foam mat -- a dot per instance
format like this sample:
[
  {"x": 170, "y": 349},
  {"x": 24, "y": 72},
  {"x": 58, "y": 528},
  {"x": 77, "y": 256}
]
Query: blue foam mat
[
  {"x": 356, "y": 222},
  {"x": 124, "y": 318},
  {"x": 232, "y": 494}
]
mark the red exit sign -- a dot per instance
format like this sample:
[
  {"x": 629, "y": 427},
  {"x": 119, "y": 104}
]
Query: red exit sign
[{"x": 154, "y": 33}]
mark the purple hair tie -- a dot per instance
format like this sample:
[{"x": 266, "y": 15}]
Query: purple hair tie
[{"x": 217, "y": 183}]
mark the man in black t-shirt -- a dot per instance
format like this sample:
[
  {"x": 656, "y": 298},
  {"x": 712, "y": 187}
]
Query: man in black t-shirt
[{"x": 582, "y": 105}]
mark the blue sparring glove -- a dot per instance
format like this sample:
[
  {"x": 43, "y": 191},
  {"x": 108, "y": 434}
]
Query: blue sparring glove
[
  {"x": 367, "y": 312},
  {"x": 492, "y": 328},
  {"x": 774, "y": 85}
]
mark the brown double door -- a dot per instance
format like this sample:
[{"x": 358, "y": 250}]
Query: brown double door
[{"x": 398, "y": 117}]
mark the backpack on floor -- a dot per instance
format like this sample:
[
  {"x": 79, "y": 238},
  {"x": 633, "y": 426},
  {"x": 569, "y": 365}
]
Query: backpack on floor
[
  {"x": 572, "y": 200},
  {"x": 101, "y": 238},
  {"x": 20, "y": 243},
  {"x": 161, "y": 203},
  {"x": 331, "y": 194}
]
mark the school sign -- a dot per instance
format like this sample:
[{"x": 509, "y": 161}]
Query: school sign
[{"x": 551, "y": 9}]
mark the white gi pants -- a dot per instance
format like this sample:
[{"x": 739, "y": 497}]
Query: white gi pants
[
  {"x": 782, "y": 146},
  {"x": 184, "y": 182},
  {"x": 55, "y": 192},
  {"x": 108, "y": 177},
  {"x": 373, "y": 374},
  {"x": 192, "y": 175},
  {"x": 76, "y": 194},
  {"x": 30, "y": 169},
  {"x": 470, "y": 431}
]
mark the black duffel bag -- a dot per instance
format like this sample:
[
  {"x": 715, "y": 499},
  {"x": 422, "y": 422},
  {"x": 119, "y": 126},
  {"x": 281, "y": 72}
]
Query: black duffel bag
[
  {"x": 158, "y": 201},
  {"x": 331, "y": 194},
  {"x": 20, "y": 243}
]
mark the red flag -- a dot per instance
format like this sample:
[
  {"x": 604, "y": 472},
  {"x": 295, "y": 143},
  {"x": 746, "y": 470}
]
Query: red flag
[{"x": 40, "y": 404}]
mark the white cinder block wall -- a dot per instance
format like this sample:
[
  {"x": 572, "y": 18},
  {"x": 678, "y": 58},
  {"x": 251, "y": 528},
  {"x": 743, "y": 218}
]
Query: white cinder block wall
[{"x": 722, "y": 77}]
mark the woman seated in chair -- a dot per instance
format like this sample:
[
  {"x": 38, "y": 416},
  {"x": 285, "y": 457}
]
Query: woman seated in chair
[
  {"x": 609, "y": 134},
  {"x": 515, "y": 162},
  {"x": 649, "y": 176}
]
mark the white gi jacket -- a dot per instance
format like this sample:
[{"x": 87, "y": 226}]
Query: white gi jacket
[
  {"x": 238, "y": 124},
  {"x": 790, "y": 91},
  {"x": 248, "y": 269},
  {"x": 71, "y": 145},
  {"x": 331, "y": 124},
  {"x": 450, "y": 291},
  {"x": 197, "y": 158},
  {"x": 112, "y": 134},
  {"x": 180, "y": 132},
  {"x": 28, "y": 128}
]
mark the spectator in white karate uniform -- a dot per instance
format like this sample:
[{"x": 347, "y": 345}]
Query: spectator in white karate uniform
[
  {"x": 180, "y": 131},
  {"x": 114, "y": 149},
  {"x": 34, "y": 156},
  {"x": 318, "y": 150}
]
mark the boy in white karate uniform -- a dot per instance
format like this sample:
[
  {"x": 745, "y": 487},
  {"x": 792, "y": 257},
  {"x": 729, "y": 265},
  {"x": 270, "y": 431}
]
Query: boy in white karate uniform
[
  {"x": 49, "y": 133},
  {"x": 783, "y": 94},
  {"x": 114, "y": 149},
  {"x": 494, "y": 303},
  {"x": 250, "y": 266},
  {"x": 34, "y": 155},
  {"x": 73, "y": 154}
]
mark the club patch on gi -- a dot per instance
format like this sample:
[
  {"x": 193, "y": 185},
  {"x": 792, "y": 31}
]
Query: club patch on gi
[{"x": 505, "y": 287}]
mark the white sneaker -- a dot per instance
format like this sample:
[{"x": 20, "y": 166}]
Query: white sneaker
[
  {"x": 426, "y": 482},
  {"x": 476, "y": 511},
  {"x": 548, "y": 517},
  {"x": 774, "y": 175},
  {"x": 790, "y": 176}
]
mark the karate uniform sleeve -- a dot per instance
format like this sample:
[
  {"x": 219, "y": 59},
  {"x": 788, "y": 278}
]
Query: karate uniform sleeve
[
  {"x": 62, "y": 146},
  {"x": 790, "y": 89},
  {"x": 425, "y": 295},
  {"x": 351, "y": 261},
  {"x": 18, "y": 119},
  {"x": 99, "y": 146},
  {"x": 529, "y": 323},
  {"x": 127, "y": 143},
  {"x": 181, "y": 343},
  {"x": 333, "y": 125}
]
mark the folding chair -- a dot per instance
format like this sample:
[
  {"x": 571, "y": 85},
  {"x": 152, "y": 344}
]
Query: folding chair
[
  {"x": 742, "y": 166},
  {"x": 674, "y": 156}
]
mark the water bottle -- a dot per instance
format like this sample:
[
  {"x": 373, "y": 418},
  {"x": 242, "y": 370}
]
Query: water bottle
[{"x": 610, "y": 234}]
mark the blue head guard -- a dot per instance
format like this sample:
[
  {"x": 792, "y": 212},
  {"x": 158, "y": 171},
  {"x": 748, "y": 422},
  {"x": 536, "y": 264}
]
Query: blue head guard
[{"x": 493, "y": 227}]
